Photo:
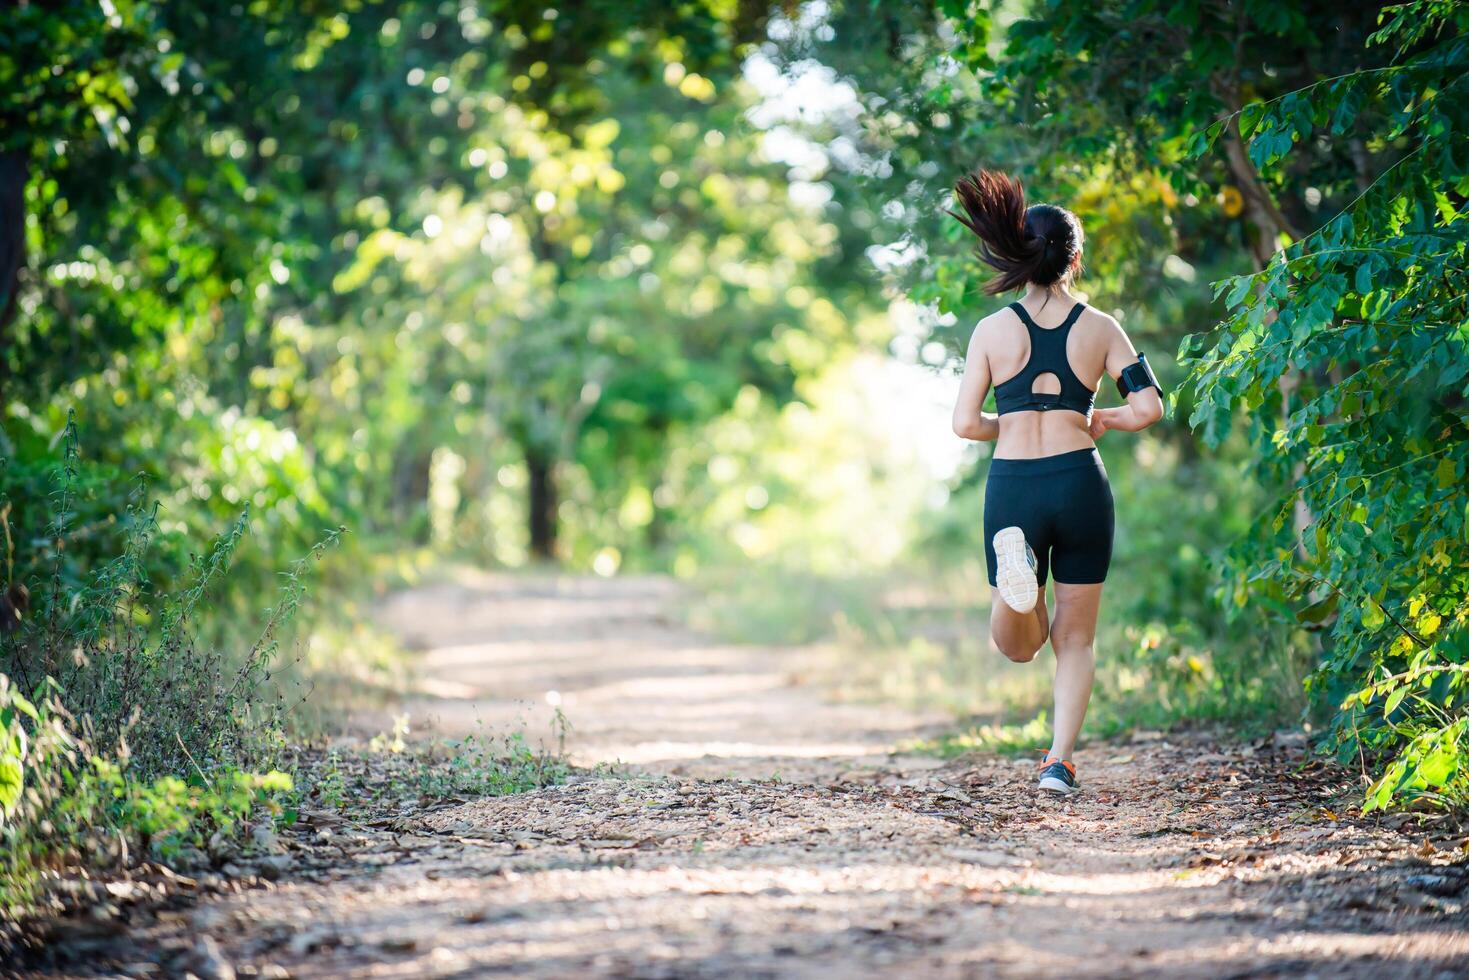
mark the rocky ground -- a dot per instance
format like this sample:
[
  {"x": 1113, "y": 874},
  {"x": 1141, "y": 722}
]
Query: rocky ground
[{"x": 728, "y": 820}]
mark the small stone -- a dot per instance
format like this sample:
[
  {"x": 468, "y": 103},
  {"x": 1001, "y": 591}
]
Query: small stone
[
  {"x": 265, "y": 839},
  {"x": 398, "y": 944},
  {"x": 272, "y": 866},
  {"x": 209, "y": 963},
  {"x": 1444, "y": 886},
  {"x": 312, "y": 940}
]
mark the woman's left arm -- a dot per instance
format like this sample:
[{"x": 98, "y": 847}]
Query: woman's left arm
[
  {"x": 970, "y": 419},
  {"x": 1143, "y": 408}
]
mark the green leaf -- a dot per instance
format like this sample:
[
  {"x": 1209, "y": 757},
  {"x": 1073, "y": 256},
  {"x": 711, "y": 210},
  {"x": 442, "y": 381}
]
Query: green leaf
[
  {"x": 1446, "y": 473},
  {"x": 24, "y": 707},
  {"x": 1249, "y": 117},
  {"x": 1319, "y": 612},
  {"x": 1441, "y": 764},
  {"x": 1393, "y": 700},
  {"x": 1364, "y": 278},
  {"x": 12, "y": 782},
  {"x": 1240, "y": 289}
]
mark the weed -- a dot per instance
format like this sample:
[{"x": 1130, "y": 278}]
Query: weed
[
  {"x": 427, "y": 771},
  {"x": 123, "y": 737},
  {"x": 918, "y": 635}
]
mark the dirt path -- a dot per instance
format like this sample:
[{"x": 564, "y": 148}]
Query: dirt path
[{"x": 756, "y": 830}]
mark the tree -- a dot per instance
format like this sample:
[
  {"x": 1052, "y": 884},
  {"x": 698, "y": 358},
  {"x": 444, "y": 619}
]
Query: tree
[
  {"x": 1367, "y": 314},
  {"x": 172, "y": 159},
  {"x": 618, "y": 285},
  {"x": 196, "y": 177}
]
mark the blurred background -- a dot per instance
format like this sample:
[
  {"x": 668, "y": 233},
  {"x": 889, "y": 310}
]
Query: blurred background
[{"x": 658, "y": 288}]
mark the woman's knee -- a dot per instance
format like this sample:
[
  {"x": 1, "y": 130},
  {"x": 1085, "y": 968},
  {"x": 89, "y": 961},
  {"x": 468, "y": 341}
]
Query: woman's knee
[{"x": 1067, "y": 648}]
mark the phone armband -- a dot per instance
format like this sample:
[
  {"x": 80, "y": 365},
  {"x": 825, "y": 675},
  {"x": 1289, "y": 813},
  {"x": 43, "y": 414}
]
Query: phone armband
[{"x": 1136, "y": 377}]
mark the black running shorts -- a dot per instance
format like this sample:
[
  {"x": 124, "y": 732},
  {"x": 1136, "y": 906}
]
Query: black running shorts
[{"x": 1063, "y": 504}]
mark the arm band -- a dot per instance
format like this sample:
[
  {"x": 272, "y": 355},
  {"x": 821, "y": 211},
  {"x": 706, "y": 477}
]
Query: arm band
[{"x": 1136, "y": 377}]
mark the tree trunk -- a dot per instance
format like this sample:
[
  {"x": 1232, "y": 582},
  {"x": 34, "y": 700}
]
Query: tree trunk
[
  {"x": 14, "y": 173},
  {"x": 1263, "y": 214},
  {"x": 656, "y": 535},
  {"x": 1268, "y": 224},
  {"x": 410, "y": 495},
  {"x": 542, "y": 504}
]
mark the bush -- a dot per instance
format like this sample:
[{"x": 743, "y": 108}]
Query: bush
[
  {"x": 1348, "y": 359},
  {"x": 122, "y": 734},
  {"x": 65, "y": 804}
]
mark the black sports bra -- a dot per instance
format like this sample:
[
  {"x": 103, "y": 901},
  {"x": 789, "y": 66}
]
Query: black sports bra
[{"x": 1047, "y": 356}]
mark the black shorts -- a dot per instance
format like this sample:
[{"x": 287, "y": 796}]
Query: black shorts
[{"x": 1063, "y": 504}]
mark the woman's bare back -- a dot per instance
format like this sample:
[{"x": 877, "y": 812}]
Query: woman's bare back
[{"x": 1090, "y": 343}]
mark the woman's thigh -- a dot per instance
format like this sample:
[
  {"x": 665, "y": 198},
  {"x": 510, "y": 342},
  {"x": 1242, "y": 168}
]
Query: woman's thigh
[
  {"x": 1075, "y": 623},
  {"x": 1084, "y": 526}
]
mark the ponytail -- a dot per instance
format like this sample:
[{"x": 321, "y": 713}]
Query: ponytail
[{"x": 1040, "y": 244}]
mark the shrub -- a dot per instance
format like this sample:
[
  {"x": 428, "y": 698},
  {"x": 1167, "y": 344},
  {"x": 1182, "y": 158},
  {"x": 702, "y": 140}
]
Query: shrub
[
  {"x": 1348, "y": 358},
  {"x": 121, "y": 734}
]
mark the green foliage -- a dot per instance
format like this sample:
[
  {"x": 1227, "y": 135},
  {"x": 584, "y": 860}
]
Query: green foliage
[
  {"x": 421, "y": 267},
  {"x": 126, "y": 654},
  {"x": 391, "y": 770},
  {"x": 1347, "y": 360},
  {"x": 75, "y": 805},
  {"x": 120, "y": 732},
  {"x": 184, "y": 162},
  {"x": 13, "y": 745}
]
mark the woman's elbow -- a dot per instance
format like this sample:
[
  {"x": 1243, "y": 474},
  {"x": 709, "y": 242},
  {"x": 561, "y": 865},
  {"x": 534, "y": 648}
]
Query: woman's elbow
[
  {"x": 966, "y": 427},
  {"x": 1150, "y": 412}
]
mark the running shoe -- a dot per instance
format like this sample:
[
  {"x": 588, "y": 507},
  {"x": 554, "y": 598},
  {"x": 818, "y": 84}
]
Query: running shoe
[
  {"x": 1015, "y": 569},
  {"x": 1058, "y": 776}
]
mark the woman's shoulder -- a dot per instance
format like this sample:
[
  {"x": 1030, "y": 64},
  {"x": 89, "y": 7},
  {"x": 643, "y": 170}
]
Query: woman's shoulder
[
  {"x": 1100, "y": 327},
  {"x": 1098, "y": 319},
  {"x": 1002, "y": 320}
]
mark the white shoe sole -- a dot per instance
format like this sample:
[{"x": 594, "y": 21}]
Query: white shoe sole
[
  {"x": 1013, "y": 575},
  {"x": 1053, "y": 785}
]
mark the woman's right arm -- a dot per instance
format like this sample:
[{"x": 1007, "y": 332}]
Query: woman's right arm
[{"x": 970, "y": 419}]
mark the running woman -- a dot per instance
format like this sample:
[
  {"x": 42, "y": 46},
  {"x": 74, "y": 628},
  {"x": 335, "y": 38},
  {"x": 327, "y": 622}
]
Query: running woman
[{"x": 1047, "y": 502}]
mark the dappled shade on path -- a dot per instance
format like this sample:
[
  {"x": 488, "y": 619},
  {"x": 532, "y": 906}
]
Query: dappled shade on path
[
  {"x": 636, "y": 685},
  {"x": 1181, "y": 858}
]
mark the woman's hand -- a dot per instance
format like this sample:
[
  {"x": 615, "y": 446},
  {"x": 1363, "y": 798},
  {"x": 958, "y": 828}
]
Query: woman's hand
[{"x": 1143, "y": 409}]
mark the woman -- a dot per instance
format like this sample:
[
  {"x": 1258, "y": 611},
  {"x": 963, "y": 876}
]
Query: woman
[{"x": 1047, "y": 506}]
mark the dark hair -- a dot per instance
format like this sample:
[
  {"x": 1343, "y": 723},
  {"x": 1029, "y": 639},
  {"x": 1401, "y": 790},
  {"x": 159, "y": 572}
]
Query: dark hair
[{"x": 1039, "y": 244}]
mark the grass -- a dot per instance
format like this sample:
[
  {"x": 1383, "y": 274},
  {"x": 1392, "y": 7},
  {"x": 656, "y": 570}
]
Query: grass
[
  {"x": 390, "y": 768},
  {"x": 919, "y": 636},
  {"x": 137, "y": 724}
]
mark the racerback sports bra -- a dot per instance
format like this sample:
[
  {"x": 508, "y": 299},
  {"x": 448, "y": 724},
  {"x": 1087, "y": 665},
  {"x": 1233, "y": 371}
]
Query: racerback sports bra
[{"x": 1047, "y": 356}]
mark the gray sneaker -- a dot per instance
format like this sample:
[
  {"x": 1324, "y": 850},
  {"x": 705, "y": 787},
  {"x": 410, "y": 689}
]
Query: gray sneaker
[
  {"x": 1015, "y": 570},
  {"x": 1058, "y": 776}
]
